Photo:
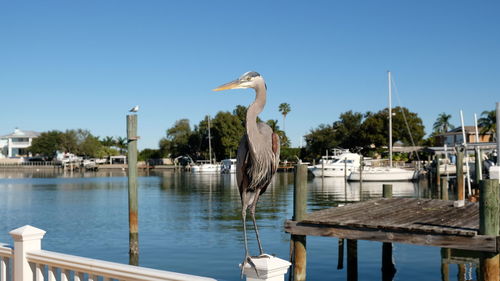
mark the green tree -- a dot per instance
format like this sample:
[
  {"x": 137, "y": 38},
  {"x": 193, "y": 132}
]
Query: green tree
[
  {"x": 108, "y": 141},
  {"x": 226, "y": 132},
  {"x": 121, "y": 143},
  {"x": 178, "y": 138},
  {"x": 148, "y": 153},
  {"x": 284, "y": 108},
  {"x": 442, "y": 123},
  {"x": 375, "y": 128},
  {"x": 164, "y": 150},
  {"x": 374, "y": 131},
  {"x": 406, "y": 130},
  {"x": 488, "y": 123},
  {"x": 47, "y": 144},
  {"x": 369, "y": 131},
  {"x": 91, "y": 146},
  {"x": 69, "y": 141},
  {"x": 79, "y": 142},
  {"x": 241, "y": 112},
  {"x": 348, "y": 130},
  {"x": 319, "y": 140}
]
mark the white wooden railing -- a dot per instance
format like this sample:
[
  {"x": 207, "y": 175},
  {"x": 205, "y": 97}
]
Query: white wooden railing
[
  {"x": 31, "y": 263},
  {"x": 5, "y": 260},
  {"x": 26, "y": 261}
]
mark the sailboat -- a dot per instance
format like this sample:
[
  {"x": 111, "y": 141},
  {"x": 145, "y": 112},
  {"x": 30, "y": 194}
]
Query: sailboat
[
  {"x": 389, "y": 173},
  {"x": 206, "y": 166}
]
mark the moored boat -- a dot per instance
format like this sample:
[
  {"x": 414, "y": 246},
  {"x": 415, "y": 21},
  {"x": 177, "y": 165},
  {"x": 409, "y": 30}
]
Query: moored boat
[{"x": 339, "y": 165}]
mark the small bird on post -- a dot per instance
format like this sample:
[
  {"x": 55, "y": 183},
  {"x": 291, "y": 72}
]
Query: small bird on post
[
  {"x": 134, "y": 109},
  {"x": 258, "y": 155}
]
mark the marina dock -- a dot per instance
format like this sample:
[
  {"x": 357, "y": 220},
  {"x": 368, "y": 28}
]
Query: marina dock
[{"x": 427, "y": 222}]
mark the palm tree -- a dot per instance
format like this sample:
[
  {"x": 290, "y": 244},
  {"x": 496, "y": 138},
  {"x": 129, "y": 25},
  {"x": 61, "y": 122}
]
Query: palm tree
[
  {"x": 488, "y": 123},
  {"x": 284, "y": 108},
  {"x": 108, "y": 141},
  {"x": 121, "y": 143},
  {"x": 442, "y": 123}
]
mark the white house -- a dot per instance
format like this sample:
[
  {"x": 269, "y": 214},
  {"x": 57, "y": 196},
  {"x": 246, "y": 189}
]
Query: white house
[{"x": 16, "y": 143}]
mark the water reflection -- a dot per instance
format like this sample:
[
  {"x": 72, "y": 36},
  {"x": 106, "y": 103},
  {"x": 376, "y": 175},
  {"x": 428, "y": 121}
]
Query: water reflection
[
  {"x": 330, "y": 192},
  {"x": 191, "y": 222}
]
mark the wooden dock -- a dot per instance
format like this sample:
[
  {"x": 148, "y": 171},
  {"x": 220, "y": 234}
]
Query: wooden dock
[{"x": 401, "y": 220}]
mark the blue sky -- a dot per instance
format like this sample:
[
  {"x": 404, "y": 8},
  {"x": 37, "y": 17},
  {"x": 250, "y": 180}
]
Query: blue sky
[{"x": 83, "y": 64}]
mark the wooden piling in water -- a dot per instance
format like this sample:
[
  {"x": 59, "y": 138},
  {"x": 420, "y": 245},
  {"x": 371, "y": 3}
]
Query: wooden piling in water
[
  {"x": 444, "y": 188},
  {"x": 489, "y": 225},
  {"x": 438, "y": 173},
  {"x": 323, "y": 168},
  {"x": 340, "y": 262},
  {"x": 299, "y": 256},
  {"x": 345, "y": 170},
  {"x": 460, "y": 173},
  {"x": 132, "y": 190},
  {"x": 478, "y": 165},
  {"x": 361, "y": 167},
  {"x": 388, "y": 268},
  {"x": 352, "y": 260}
]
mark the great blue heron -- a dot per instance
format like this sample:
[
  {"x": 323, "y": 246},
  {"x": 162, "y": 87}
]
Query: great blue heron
[{"x": 258, "y": 154}]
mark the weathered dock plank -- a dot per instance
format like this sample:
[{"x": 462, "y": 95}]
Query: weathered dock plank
[{"x": 402, "y": 220}]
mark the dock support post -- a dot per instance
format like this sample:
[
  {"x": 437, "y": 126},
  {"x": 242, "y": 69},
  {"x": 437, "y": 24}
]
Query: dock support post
[
  {"x": 361, "y": 167},
  {"x": 340, "y": 262},
  {"x": 438, "y": 173},
  {"x": 478, "y": 165},
  {"x": 388, "y": 268},
  {"x": 299, "y": 254},
  {"x": 444, "y": 188},
  {"x": 132, "y": 190},
  {"x": 460, "y": 173},
  {"x": 345, "y": 170},
  {"x": 489, "y": 225},
  {"x": 352, "y": 260}
]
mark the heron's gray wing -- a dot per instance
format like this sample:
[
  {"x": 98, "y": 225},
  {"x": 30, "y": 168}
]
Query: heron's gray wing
[
  {"x": 276, "y": 151},
  {"x": 242, "y": 164}
]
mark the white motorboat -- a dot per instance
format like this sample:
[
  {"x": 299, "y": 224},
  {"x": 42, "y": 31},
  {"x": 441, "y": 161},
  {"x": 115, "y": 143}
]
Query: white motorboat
[
  {"x": 204, "y": 166},
  {"x": 337, "y": 165},
  {"x": 383, "y": 174}
]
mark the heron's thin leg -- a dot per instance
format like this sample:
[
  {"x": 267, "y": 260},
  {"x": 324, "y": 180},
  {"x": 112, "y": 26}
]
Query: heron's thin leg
[
  {"x": 243, "y": 217},
  {"x": 247, "y": 255},
  {"x": 252, "y": 213}
]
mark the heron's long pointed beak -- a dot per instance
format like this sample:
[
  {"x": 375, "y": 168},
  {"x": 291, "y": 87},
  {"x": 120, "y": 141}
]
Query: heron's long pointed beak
[{"x": 231, "y": 85}]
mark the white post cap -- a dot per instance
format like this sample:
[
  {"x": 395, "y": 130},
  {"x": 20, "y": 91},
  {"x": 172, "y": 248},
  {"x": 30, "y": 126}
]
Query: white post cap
[
  {"x": 27, "y": 233},
  {"x": 269, "y": 268},
  {"x": 495, "y": 172}
]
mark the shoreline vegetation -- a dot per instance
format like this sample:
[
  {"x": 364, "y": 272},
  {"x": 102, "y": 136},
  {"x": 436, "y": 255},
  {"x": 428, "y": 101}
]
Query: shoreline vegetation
[{"x": 364, "y": 133}]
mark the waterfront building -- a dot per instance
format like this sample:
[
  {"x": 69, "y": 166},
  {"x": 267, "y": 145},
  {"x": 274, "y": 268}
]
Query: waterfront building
[
  {"x": 455, "y": 136},
  {"x": 16, "y": 143}
]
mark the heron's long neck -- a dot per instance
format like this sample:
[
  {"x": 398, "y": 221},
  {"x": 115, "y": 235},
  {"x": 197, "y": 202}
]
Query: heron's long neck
[{"x": 253, "y": 111}]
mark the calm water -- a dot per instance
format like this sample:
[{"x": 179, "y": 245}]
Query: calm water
[{"x": 191, "y": 223}]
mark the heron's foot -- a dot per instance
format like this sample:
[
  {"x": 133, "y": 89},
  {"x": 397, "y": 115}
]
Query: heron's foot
[
  {"x": 248, "y": 260},
  {"x": 264, "y": 255}
]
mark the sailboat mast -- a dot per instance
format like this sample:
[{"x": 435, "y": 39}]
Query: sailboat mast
[
  {"x": 209, "y": 141},
  {"x": 390, "y": 118}
]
